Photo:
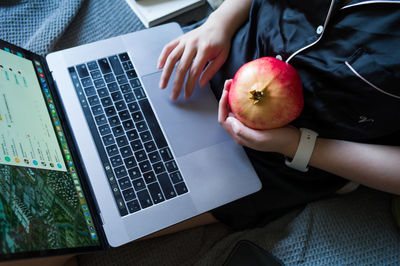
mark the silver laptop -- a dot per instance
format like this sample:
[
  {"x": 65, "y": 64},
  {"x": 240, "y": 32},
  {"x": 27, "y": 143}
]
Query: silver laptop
[{"x": 138, "y": 161}]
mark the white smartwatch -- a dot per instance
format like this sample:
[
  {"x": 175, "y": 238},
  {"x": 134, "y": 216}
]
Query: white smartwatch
[{"x": 304, "y": 150}]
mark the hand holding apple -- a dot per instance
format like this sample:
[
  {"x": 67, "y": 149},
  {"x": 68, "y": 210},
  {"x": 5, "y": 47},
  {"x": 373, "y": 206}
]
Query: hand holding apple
[{"x": 266, "y": 93}]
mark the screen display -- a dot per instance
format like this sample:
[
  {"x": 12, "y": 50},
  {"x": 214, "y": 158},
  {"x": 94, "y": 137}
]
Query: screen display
[{"x": 42, "y": 205}]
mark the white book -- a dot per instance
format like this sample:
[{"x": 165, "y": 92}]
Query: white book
[{"x": 153, "y": 12}]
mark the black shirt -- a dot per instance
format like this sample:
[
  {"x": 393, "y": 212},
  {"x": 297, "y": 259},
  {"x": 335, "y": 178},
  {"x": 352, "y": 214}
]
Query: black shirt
[{"x": 348, "y": 57}]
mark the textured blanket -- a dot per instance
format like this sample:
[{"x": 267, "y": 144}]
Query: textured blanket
[{"x": 353, "y": 229}]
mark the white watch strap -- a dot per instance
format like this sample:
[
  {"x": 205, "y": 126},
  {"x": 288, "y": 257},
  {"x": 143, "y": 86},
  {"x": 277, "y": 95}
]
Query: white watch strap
[{"x": 304, "y": 150}]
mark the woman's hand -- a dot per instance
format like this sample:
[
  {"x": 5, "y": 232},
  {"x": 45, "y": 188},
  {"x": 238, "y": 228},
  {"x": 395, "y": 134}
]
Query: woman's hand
[
  {"x": 283, "y": 140},
  {"x": 203, "y": 51},
  {"x": 204, "y": 48}
]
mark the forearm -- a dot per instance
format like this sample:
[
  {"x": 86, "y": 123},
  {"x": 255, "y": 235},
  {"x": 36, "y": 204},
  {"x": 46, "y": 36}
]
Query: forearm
[
  {"x": 376, "y": 166},
  {"x": 231, "y": 15}
]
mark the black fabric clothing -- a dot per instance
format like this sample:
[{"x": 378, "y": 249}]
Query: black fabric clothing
[{"x": 348, "y": 58}]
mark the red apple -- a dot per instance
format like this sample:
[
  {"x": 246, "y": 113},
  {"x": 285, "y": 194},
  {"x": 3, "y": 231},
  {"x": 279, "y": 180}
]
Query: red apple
[{"x": 266, "y": 93}]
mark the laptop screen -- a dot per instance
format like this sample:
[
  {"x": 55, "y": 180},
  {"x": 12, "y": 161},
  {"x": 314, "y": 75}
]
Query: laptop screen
[{"x": 42, "y": 201}]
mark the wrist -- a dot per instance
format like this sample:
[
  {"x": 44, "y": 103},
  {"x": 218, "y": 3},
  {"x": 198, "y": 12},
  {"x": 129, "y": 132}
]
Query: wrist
[
  {"x": 304, "y": 150},
  {"x": 290, "y": 142}
]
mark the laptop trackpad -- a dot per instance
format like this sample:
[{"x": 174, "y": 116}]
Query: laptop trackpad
[{"x": 189, "y": 125}]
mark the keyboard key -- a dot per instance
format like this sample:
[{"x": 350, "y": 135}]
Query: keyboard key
[
  {"x": 116, "y": 161},
  {"x": 104, "y": 130},
  {"x": 120, "y": 105},
  {"x": 124, "y": 57},
  {"x": 121, "y": 79},
  {"x": 118, "y": 131},
  {"x": 145, "y": 136},
  {"x": 90, "y": 91},
  {"x": 110, "y": 111},
  {"x": 116, "y": 96},
  {"x": 126, "y": 151},
  {"x": 106, "y": 101},
  {"x": 99, "y": 83},
  {"x": 92, "y": 65},
  {"x": 93, "y": 100},
  {"x": 158, "y": 167},
  {"x": 104, "y": 66},
  {"x": 153, "y": 124},
  {"x": 137, "y": 116},
  {"x": 127, "y": 65},
  {"x": 116, "y": 65},
  {"x": 114, "y": 121},
  {"x": 129, "y": 195},
  {"x": 129, "y": 97},
  {"x": 131, "y": 74},
  {"x": 154, "y": 157},
  {"x": 134, "y": 173},
  {"x": 128, "y": 125},
  {"x": 132, "y": 135},
  {"x": 139, "y": 93},
  {"x": 144, "y": 198},
  {"x": 181, "y": 188},
  {"x": 130, "y": 162},
  {"x": 86, "y": 82},
  {"x": 109, "y": 77},
  {"x": 176, "y": 177},
  {"x": 133, "y": 107},
  {"x": 95, "y": 74},
  {"x": 140, "y": 155},
  {"x": 145, "y": 166},
  {"x": 108, "y": 140},
  {"x": 121, "y": 141},
  {"x": 100, "y": 120},
  {"x": 136, "y": 145},
  {"x": 171, "y": 166},
  {"x": 149, "y": 177},
  {"x": 150, "y": 146},
  {"x": 125, "y": 88},
  {"x": 155, "y": 193},
  {"x": 133, "y": 206},
  {"x": 124, "y": 183},
  {"x": 166, "y": 154},
  {"x": 120, "y": 171},
  {"x": 124, "y": 115},
  {"x": 135, "y": 83},
  {"x": 141, "y": 126},
  {"x": 138, "y": 184},
  {"x": 97, "y": 109},
  {"x": 103, "y": 92},
  {"x": 166, "y": 185},
  {"x": 82, "y": 71},
  {"x": 113, "y": 86},
  {"x": 112, "y": 150}
]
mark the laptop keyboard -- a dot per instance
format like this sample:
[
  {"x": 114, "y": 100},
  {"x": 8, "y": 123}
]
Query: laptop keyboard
[{"x": 139, "y": 164}]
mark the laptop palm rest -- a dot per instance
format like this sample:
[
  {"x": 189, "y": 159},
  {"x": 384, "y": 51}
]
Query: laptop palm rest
[{"x": 189, "y": 125}]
